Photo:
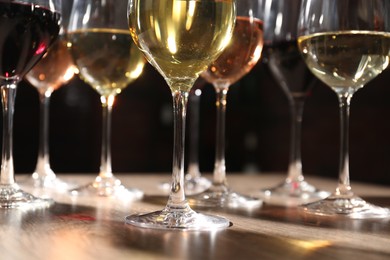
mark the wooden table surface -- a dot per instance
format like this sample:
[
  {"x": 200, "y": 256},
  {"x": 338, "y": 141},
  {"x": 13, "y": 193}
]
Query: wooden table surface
[{"x": 94, "y": 228}]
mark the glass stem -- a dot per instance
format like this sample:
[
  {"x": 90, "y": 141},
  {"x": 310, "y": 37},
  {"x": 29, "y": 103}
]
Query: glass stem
[
  {"x": 219, "y": 175},
  {"x": 295, "y": 163},
  {"x": 43, "y": 162},
  {"x": 177, "y": 196},
  {"x": 105, "y": 160},
  {"x": 193, "y": 160},
  {"x": 8, "y": 94},
  {"x": 344, "y": 188}
]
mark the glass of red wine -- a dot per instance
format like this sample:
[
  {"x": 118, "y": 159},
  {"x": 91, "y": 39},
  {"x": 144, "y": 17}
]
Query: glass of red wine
[
  {"x": 28, "y": 28},
  {"x": 53, "y": 71},
  {"x": 290, "y": 71},
  {"x": 241, "y": 55}
]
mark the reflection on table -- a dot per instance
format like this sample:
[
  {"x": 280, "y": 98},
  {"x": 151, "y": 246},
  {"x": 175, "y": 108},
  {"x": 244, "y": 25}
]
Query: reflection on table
[{"x": 93, "y": 228}]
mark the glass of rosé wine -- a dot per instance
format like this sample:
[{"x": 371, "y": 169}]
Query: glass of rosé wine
[
  {"x": 240, "y": 56},
  {"x": 53, "y": 71}
]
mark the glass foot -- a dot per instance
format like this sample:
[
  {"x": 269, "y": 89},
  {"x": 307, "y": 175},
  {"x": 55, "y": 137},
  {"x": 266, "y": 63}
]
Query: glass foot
[
  {"x": 192, "y": 185},
  {"x": 11, "y": 196},
  {"x": 107, "y": 187},
  {"x": 47, "y": 181},
  {"x": 221, "y": 196},
  {"x": 195, "y": 185},
  {"x": 292, "y": 194},
  {"x": 178, "y": 218},
  {"x": 349, "y": 207}
]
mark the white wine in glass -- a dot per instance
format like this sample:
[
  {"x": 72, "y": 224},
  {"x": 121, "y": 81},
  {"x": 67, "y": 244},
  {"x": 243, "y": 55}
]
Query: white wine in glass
[
  {"x": 345, "y": 44},
  {"x": 180, "y": 38},
  {"x": 54, "y": 70},
  {"x": 28, "y": 28},
  {"x": 107, "y": 60},
  {"x": 240, "y": 56}
]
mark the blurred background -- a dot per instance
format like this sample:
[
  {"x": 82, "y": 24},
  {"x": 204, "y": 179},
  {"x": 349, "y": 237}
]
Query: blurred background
[{"x": 257, "y": 128}]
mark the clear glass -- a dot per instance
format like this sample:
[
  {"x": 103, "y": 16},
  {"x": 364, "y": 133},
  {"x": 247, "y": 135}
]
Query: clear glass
[
  {"x": 193, "y": 180},
  {"x": 290, "y": 71},
  {"x": 242, "y": 53},
  {"x": 54, "y": 70},
  {"x": 29, "y": 41},
  {"x": 187, "y": 39},
  {"x": 345, "y": 44},
  {"x": 107, "y": 60}
]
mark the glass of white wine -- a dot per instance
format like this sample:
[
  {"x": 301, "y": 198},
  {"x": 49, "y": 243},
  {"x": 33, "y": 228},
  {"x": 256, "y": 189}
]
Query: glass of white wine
[
  {"x": 345, "y": 44},
  {"x": 180, "y": 38},
  {"x": 241, "y": 55},
  {"x": 54, "y": 70},
  {"x": 28, "y": 28},
  {"x": 108, "y": 60}
]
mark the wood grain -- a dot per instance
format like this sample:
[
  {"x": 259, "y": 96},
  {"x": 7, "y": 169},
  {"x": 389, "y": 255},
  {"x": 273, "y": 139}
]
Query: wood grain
[{"x": 94, "y": 228}]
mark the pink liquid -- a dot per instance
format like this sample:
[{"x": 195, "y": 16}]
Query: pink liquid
[{"x": 242, "y": 53}]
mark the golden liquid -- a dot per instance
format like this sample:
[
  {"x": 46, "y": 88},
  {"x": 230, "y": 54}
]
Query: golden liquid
[
  {"x": 180, "y": 38},
  {"x": 346, "y": 59},
  {"x": 107, "y": 59},
  {"x": 54, "y": 69}
]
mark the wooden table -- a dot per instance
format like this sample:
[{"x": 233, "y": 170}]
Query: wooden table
[{"x": 94, "y": 228}]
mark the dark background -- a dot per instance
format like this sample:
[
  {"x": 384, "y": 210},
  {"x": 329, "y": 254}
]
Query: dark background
[{"x": 257, "y": 123}]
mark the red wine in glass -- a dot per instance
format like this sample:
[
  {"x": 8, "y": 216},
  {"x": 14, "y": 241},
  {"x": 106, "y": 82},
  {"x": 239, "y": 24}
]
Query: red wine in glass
[
  {"x": 27, "y": 31},
  {"x": 290, "y": 71},
  {"x": 288, "y": 68}
]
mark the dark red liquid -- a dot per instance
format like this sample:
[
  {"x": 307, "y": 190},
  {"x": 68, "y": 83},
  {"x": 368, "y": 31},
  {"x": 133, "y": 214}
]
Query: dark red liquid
[
  {"x": 26, "y": 31},
  {"x": 289, "y": 68}
]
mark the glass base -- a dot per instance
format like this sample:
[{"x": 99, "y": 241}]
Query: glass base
[
  {"x": 195, "y": 185},
  {"x": 222, "y": 197},
  {"x": 349, "y": 207},
  {"x": 192, "y": 185},
  {"x": 292, "y": 194},
  {"x": 108, "y": 187},
  {"x": 178, "y": 218},
  {"x": 11, "y": 196},
  {"x": 47, "y": 181}
]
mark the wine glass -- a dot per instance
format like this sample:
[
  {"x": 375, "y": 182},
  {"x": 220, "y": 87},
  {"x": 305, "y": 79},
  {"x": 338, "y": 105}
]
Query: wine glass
[
  {"x": 237, "y": 60},
  {"x": 54, "y": 70},
  {"x": 290, "y": 71},
  {"x": 107, "y": 60},
  {"x": 193, "y": 180},
  {"x": 180, "y": 38},
  {"x": 345, "y": 44},
  {"x": 28, "y": 28}
]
